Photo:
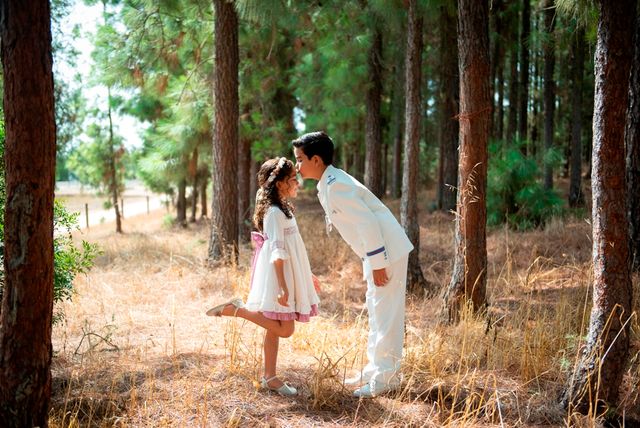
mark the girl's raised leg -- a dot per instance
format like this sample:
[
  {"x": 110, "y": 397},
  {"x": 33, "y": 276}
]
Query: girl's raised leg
[{"x": 279, "y": 328}]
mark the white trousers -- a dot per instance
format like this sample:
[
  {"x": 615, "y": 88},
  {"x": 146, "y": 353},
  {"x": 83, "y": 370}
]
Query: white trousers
[{"x": 386, "y": 325}]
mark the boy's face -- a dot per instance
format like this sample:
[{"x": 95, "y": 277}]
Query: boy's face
[{"x": 308, "y": 168}]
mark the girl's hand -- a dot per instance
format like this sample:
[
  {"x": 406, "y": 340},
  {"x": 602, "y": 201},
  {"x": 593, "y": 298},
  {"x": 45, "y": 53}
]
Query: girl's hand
[
  {"x": 316, "y": 283},
  {"x": 283, "y": 297}
]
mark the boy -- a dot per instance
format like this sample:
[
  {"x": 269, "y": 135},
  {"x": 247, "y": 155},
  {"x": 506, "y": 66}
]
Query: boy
[{"x": 372, "y": 231}]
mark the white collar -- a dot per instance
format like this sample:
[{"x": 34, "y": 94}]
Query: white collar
[{"x": 322, "y": 183}]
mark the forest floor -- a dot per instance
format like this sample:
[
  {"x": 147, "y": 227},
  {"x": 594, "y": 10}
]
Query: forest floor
[{"x": 137, "y": 350}]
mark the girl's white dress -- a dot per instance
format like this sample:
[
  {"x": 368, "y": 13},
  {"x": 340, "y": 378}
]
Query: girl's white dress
[{"x": 282, "y": 240}]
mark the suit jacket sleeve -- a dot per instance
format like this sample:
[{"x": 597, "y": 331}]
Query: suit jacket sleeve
[{"x": 345, "y": 202}]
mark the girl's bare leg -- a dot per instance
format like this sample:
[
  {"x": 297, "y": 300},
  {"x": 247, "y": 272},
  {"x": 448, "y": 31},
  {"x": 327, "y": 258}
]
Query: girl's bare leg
[
  {"x": 279, "y": 328},
  {"x": 271, "y": 342}
]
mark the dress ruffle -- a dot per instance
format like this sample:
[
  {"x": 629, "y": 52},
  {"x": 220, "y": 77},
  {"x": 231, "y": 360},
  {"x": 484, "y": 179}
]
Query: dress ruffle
[{"x": 292, "y": 316}]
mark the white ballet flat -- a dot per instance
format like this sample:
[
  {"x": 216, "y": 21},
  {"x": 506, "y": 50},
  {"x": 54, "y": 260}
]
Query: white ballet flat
[
  {"x": 216, "y": 311},
  {"x": 285, "y": 389}
]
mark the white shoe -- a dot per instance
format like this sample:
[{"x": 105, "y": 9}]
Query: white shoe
[
  {"x": 285, "y": 389},
  {"x": 357, "y": 380},
  {"x": 371, "y": 390},
  {"x": 216, "y": 311}
]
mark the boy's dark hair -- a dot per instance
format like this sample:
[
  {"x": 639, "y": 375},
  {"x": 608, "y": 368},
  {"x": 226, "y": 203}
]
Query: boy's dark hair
[{"x": 316, "y": 143}]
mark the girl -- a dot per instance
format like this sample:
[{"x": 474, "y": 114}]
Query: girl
[{"x": 283, "y": 289}]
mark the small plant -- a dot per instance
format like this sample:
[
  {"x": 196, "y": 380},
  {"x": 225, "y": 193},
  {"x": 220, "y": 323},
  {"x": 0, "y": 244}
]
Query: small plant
[
  {"x": 68, "y": 260},
  {"x": 515, "y": 193}
]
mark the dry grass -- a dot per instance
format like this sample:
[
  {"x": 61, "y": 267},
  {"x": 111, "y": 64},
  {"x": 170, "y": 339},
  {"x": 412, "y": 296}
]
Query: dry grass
[{"x": 137, "y": 350}]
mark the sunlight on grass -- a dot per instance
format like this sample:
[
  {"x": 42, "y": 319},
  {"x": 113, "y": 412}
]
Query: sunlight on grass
[{"x": 137, "y": 350}]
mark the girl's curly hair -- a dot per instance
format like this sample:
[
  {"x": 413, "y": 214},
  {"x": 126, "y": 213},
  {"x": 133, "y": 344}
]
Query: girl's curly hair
[{"x": 271, "y": 172}]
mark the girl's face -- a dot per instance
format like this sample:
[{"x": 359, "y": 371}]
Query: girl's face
[{"x": 288, "y": 187}]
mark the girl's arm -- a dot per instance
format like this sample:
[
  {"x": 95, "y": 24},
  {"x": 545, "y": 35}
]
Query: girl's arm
[{"x": 283, "y": 295}]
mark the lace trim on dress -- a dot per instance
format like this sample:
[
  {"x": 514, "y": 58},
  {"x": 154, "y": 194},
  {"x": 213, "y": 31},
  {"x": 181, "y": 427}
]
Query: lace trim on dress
[{"x": 291, "y": 230}]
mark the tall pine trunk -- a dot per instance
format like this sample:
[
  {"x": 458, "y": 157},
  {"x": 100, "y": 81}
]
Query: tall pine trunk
[
  {"x": 523, "y": 93},
  {"x": 30, "y": 154},
  {"x": 512, "y": 119},
  {"x": 632, "y": 138},
  {"x": 244, "y": 195},
  {"x": 373, "y": 135},
  {"x": 596, "y": 380},
  {"x": 449, "y": 99},
  {"x": 223, "y": 244},
  {"x": 413, "y": 107},
  {"x": 468, "y": 281},
  {"x": 398, "y": 105},
  {"x": 549, "y": 87},
  {"x": 193, "y": 174},
  {"x": 576, "y": 197},
  {"x": 114, "y": 185}
]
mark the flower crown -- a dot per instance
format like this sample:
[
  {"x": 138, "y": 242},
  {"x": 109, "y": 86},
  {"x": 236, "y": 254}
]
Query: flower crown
[{"x": 276, "y": 170}]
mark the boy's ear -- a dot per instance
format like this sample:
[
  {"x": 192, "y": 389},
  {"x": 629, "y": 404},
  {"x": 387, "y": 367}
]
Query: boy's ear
[{"x": 317, "y": 160}]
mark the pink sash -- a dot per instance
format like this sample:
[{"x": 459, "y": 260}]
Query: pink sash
[{"x": 258, "y": 240}]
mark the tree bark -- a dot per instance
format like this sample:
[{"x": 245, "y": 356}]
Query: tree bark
[
  {"x": 549, "y": 87},
  {"x": 30, "y": 153},
  {"x": 114, "y": 185},
  {"x": 373, "y": 136},
  {"x": 413, "y": 107},
  {"x": 244, "y": 195},
  {"x": 193, "y": 173},
  {"x": 468, "y": 281},
  {"x": 596, "y": 381},
  {"x": 523, "y": 94},
  {"x": 397, "y": 127},
  {"x": 204, "y": 182},
  {"x": 512, "y": 125},
  {"x": 632, "y": 140},
  {"x": 449, "y": 100},
  {"x": 576, "y": 197},
  {"x": 181, "y": 203},
  {"x": 223, "y": 244}
]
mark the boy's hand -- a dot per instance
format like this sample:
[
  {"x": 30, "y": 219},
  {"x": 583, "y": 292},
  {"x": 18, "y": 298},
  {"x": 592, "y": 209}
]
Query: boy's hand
[
  {"x": 380, "y": 277},
  {"x": 316, "y": 283},
  {"x": 283, "y": 297}
]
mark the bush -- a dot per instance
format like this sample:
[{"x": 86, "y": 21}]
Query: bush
[{"x": 515, "y": 193}]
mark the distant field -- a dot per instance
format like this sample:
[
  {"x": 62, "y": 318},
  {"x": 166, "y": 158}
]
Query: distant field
[{"x": 134, "y": 201}]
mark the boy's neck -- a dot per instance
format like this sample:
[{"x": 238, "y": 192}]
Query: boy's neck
[{"x": 321, "y": 169}]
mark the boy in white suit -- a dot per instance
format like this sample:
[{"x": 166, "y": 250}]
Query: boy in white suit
[{"x": 375, "y": 235}]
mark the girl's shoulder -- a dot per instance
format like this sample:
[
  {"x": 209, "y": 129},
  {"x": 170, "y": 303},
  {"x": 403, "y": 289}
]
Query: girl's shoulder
[{"x": 275, "y": 211}]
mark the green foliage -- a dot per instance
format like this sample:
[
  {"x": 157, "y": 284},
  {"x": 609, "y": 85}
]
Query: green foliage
[
  {"x": 69, "y": 260},
  {"x": 515, "y": 193}
]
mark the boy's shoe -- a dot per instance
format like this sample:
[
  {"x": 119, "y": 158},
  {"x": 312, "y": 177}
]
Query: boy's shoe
[
  {"x": 357, "y": 380},
  {"x": 216, "y": 311},
  {"x": 285, "y": 389},
  {"x": 371, "y": 390}
]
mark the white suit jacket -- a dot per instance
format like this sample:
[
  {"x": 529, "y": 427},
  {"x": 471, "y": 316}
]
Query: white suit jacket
[{"x": 364, "y": 222}]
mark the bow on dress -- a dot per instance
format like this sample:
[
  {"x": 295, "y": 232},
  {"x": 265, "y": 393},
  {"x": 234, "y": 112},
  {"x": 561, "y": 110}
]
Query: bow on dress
[{"x": 258, "y": 240}]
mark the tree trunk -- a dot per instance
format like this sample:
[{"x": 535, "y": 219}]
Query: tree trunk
[
  {"x": 523, "y": 94},
  {"x": 193, "y": 172},
  {"x": 496, "y": 58},
  {"x": 468, "y": 281},
  {"x": 181, "y": 203},
  {"x": 30, "y": 153},
  {"x": 512, "y": 124},
  {"x": 632, "y": 138},
  {"x": 113, "y": 173},
  {"x": 596, "y": 381},
  {"x": 576, "y": 197},
  {"x": 244, "y": 195},
  {"x": 204, "y": 182},
  {"x": 398, "y": 124},
  {"x": 413, "y": 107},
  {"x": 499, "y": 123},
  {"x": 373, "y": 136},
  {"x": 223, "y": 244},
  {"x": 549, "y": 87},
  {"x": 449, "y": 99}
]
